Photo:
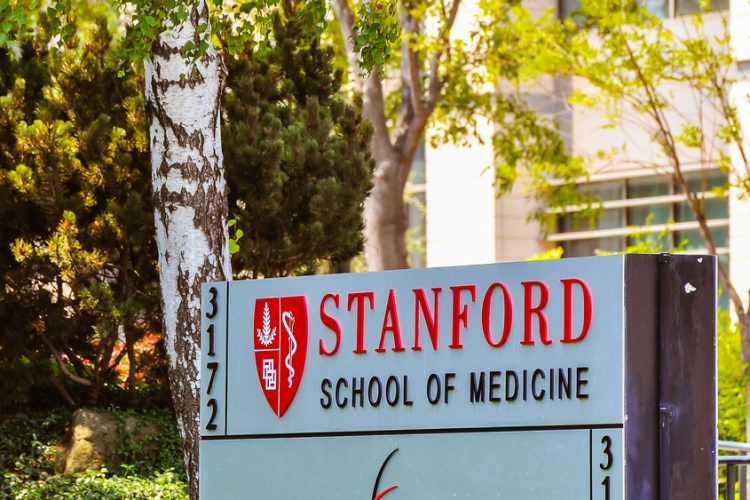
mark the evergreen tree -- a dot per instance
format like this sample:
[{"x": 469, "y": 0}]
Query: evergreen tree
[
  {"x": 76, "y": 221},
  {"x": 296, "y": 153}
]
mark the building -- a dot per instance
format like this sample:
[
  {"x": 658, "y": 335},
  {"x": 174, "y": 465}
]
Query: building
[{"x": 466, "y": 223}]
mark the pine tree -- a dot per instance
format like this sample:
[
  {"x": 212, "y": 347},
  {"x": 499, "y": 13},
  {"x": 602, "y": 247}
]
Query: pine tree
[
  {"x": 76, "y": 220},
  {"x": 296, "y": 153}
]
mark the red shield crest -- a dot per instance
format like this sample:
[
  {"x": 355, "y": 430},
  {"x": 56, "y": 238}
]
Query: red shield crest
[{"x": 280, "y": 340}]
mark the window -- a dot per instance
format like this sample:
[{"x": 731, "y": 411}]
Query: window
[
  {"x": 648, "y": 208},
  {"x": 661, "y": 8},
  {"x": 687, "y": 7}
]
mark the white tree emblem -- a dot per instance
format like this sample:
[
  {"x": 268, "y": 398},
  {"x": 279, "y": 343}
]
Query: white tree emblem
[{"x": 266, "y": 334}]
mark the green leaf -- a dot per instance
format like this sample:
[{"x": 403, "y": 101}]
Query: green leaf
[{"x": 233, "y": 247}]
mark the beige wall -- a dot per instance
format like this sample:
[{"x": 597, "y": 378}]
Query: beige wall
[
  {"x": 631, "y": 139},
  {"x": 515, "y": 237},
  {"x": 739, "y": 19},
  {"x": 465, "y": 222},
  {"x": 460, "y": 205}
]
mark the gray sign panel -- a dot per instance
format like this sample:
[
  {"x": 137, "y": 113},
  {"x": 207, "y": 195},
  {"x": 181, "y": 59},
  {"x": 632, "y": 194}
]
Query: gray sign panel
[{"x": 501, "y": 380}]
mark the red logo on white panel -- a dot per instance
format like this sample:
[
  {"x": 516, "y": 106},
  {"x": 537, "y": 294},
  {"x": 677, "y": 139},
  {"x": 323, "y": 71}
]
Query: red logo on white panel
[{"x": 280, "y": 340}]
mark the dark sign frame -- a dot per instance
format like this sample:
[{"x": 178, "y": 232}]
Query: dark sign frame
[
  {"x": 670, "y": 377},
  {"x": 669, "y": 433}
]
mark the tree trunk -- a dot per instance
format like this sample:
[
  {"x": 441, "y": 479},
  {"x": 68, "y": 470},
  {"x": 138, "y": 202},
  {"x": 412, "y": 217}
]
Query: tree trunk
[
  {"x": 190, "y": 204},
  {"x": 385, "y": 211},
  {"x": 130, "y": 383},
  {"x": 385, "y": 216}
]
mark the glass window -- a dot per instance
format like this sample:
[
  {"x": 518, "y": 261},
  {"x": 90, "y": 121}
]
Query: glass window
[
  {"x": 610, "y": 218},
  {"x": 417, "y": 174},
  {"x": 714, "y": 208},
  {"x": 587, "y": 248},
  {"x": 612, "y": 190},
  {"x": 657, "y": 7},
  {"x": 652, "y": 214},
  {"x": 723, "y": 296},
  {"x": 687, "y": 7},
  {"x": 648, "y": 186},
  {"x": 416, "y": 210},
  {"x": 569, "y": 7},
  {"x": 721, "y": 236},
  {"x": 693, "y": 239},
  {"x": 705, "y": 181},
  {"x": 568, "y": 223},
  {"x": 642, "y": 188}
]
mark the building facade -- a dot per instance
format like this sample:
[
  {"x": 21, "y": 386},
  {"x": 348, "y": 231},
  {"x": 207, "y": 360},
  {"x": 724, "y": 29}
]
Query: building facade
[{"x": 466, "y": 223}]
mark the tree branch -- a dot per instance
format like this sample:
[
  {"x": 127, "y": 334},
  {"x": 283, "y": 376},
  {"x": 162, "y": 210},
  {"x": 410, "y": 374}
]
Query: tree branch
[
  {"x": 373, "y": 105},
  {"x": 63, "y": 392},
  {"x": 695, "y": 205},
  {"x": 435, "y": 84},
  {"x": 730, "y": 115},
  {"x": 410, "y": 74},
  {"x": 61, "y": 363},
  {"x": 346, "y": 22}
]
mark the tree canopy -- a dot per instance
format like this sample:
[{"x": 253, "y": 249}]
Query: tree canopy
[
  {"x": 297, "y": 153},
  {"x": 78, "y": 256}
]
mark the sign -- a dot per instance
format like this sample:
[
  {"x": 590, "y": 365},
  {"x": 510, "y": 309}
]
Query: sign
[{"x": 496, "y": 381}]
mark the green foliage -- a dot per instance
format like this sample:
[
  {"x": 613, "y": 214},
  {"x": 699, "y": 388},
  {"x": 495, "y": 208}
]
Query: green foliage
[
  {"x": 147, "y": 455},
  {"x": 486, "y": 75},
  {"x": 378, "y": 33},
  {"x": 16, "y": 18},
  {"x": 634, "y": 66},
  {"x": 296, "y": 153},
  {"x": 526, "y": 142},
  {"x": 95, "y": 485},
  {"x": 551, "y": 254},
  {"x": 644, "y": 241},
  {"x": 28, "y": 442},
  {"x": 733, "y": 380},
  {"x": 76, "y": 223},
  {"x": 234, "y": 245},
  {"x": 30, "y": 461}
]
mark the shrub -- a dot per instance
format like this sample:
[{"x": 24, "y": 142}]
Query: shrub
[{"x": 30, "y": 461}]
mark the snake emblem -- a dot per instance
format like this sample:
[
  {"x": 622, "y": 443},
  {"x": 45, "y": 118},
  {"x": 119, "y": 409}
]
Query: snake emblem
[{"x": 287, "y": 319}]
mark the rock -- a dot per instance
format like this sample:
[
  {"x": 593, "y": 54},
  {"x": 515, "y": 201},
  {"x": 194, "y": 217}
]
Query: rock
[{"x": 93, "y": 440}]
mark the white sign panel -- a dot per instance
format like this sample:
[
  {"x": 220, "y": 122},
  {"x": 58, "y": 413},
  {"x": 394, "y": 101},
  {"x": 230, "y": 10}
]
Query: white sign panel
[{"x": 502, "y": 380}]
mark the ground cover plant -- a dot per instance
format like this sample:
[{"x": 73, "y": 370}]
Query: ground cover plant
[{"x": 30, "y": 460}]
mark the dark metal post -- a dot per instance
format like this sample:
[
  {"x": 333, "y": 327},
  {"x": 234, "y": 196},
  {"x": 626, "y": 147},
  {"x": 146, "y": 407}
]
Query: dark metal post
[
  {"x": 687, "y": 372},
  {"x": 670, "y": 385}
]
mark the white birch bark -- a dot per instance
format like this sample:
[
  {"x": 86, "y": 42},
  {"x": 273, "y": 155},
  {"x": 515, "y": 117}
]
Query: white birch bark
[{"x": 190, "y": 204}]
